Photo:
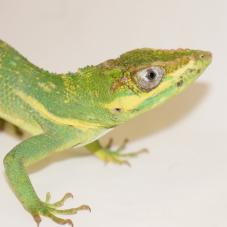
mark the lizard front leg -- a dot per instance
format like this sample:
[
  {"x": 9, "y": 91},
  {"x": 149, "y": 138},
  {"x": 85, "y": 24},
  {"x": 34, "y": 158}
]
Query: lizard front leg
[{"x": 29, "y": 152}]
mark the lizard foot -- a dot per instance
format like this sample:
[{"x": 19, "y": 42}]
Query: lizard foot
[
  {"x": 117, "y": 156},
  {"x": 50, "y": 210}
]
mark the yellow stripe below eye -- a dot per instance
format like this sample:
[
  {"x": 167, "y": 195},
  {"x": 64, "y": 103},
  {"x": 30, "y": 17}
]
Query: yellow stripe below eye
[{"x": 127, "y": 103}]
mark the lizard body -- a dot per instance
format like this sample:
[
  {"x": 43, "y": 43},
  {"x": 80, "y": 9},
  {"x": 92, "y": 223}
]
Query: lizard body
[{"x": 74, "y": 109}]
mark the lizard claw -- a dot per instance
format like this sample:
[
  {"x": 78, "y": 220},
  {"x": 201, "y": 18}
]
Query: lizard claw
[{"x": 37, "y": 219}]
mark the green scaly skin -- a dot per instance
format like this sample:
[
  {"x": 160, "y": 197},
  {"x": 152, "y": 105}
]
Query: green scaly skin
[{"x": 74, "y": 109}]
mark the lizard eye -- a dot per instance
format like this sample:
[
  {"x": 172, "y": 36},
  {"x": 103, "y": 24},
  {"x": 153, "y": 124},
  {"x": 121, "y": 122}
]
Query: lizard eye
[{"x": 147, "y": 79}]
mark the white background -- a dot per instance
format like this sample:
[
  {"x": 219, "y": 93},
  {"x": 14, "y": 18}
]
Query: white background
[{"x": 183, "y": 181}]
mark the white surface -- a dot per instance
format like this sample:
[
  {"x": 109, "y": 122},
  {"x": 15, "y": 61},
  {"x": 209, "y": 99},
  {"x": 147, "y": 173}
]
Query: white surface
[{"x": 182, "y": 182}]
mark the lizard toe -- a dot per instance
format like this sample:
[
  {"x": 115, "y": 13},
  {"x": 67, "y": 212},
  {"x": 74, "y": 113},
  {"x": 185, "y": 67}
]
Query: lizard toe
[{"x": 50, "y": 210}]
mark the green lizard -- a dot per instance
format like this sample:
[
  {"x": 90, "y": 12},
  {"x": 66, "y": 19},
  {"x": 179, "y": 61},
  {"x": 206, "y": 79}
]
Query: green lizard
[{"x": 74, "y": 109}]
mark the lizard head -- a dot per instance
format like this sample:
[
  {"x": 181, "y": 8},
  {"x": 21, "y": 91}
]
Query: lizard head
[{"x": 141, "y": 79}]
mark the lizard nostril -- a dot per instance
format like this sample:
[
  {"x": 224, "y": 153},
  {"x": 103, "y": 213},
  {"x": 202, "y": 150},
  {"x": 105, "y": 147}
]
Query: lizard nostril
[{"x": 180, "y": 83}]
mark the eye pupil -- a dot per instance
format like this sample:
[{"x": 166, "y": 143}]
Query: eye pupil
[
  {"x": 149, "y": 78},
  {"x": 151, "y": 75}
]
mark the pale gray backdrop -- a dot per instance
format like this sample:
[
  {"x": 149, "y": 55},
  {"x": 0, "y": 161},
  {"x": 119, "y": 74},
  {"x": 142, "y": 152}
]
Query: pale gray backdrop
[{"x": 183, "y": 181}]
